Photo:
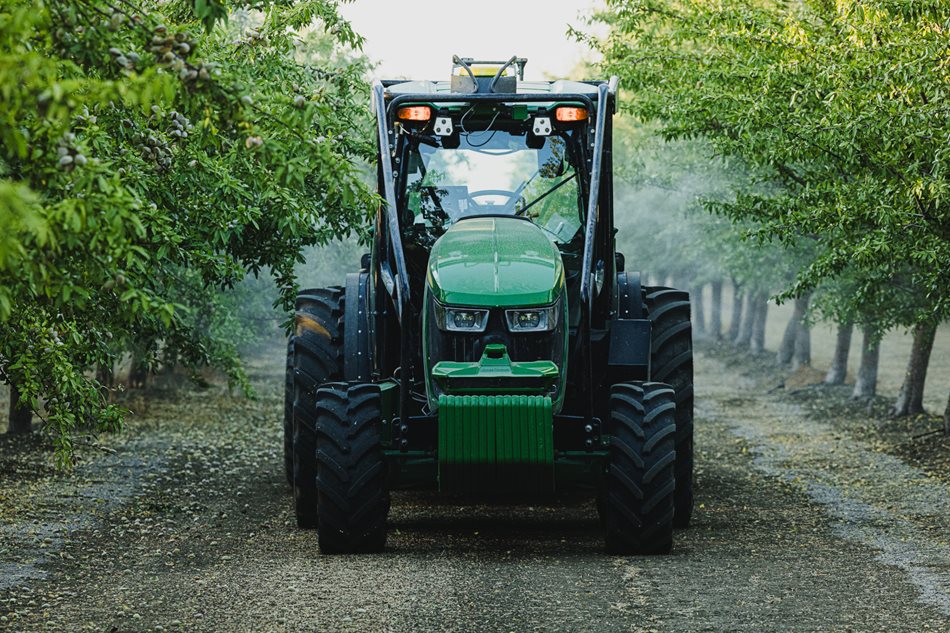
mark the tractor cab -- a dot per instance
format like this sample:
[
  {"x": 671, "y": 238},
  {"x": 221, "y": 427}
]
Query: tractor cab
[
  {"x": 493, "y": 341},
  {"x": 492, "y": 179}
]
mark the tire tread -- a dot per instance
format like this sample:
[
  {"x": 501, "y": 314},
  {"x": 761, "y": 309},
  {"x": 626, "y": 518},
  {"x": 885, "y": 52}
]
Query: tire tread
[
  {"x": 312, "y": 359},
  {"x": 351, "y": 473},
  {"x": 637, "y": 504},
  {"x": 672, "y": 362}
]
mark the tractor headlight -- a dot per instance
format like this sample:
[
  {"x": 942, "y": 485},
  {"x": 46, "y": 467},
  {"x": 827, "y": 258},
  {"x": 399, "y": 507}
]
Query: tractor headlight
[
  {"x": 460, "y": 319},
  {"x": 533, "y": 319}
]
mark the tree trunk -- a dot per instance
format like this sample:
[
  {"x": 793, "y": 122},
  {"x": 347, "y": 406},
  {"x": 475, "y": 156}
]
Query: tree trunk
[
  {"x": 715, "y": 315},
  {"x": 866, "y": 385},
  {"x": 790, "y": 350},
  {"x": 946, "y": 418},
  {"x": 138, "y": 372},
  {"x": 105, "y": 376},
  {"x": 910, "y": 399},
  {"x": 748, "y": 316},
  {"x": 761, "y": 312},
  {"x": 21, "y": 417},
  {"x": 802, "y": 357},
  {"x": 838, "y": 371},
  {"x": 786, "y": 349},
  {"x": 699, "y": 312},
  {"x": 736, "y": 311}
]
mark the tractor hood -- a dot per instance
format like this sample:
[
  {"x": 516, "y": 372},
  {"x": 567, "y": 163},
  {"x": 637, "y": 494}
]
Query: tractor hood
[{"x": 495, "y": 262}]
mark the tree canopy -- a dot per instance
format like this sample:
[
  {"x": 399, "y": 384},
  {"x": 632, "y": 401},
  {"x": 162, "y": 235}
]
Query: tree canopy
[
  {"x": 839, "y": 104},
  {"x": 152, "y": 153}
]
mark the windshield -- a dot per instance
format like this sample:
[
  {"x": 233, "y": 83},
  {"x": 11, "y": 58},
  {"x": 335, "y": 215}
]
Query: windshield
[{"x": 494, "y": 172}]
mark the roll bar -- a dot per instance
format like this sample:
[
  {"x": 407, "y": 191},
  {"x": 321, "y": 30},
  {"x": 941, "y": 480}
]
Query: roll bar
[
  {"x": 401, "y": 280},
  {"x": 592, "y": 209},
  {"x": 455, "y": 97}
]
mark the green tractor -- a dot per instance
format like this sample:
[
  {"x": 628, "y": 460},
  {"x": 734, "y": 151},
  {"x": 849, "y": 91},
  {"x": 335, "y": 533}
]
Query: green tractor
[{"x": 493, "y": 342}]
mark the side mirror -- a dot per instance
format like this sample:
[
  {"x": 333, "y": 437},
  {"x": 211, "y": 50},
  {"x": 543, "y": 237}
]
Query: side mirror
[{"x": 551, "y": 158}]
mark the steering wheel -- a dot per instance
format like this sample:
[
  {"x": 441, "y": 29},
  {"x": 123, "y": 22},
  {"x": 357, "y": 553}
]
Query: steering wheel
[{"x": 511, "y": 195}]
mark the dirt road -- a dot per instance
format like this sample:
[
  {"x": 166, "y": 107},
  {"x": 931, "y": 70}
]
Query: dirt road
[{"x": 187, "y": 527}]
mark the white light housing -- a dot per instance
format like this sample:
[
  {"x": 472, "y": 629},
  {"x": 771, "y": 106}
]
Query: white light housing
[
  {"x": 443, "y": 126},
  {"x": 541, "y": 126},
  {"x": 460, "y": 319},
  {"x": 543, "y": 319}
]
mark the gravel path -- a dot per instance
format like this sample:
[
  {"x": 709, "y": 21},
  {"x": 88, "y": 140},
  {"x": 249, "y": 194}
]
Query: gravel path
[{"x": 187, "y": 527}]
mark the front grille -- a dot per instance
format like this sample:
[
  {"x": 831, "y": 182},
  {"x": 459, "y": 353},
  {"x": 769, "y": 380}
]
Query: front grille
[{"x": 521, "y": 347}]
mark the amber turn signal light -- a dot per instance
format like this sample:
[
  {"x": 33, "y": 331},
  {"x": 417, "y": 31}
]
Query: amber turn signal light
[
  {"x": 567, "y": 114},
  {"x": 414, "y": 113}
]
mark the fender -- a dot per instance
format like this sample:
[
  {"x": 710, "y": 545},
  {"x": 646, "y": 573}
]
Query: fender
[
  {"x": 357, "y": 364},
  {"x": 630, "y": 333}
]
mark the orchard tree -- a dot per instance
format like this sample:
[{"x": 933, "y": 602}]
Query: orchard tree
[
  {"x": 150, "y": 154},
  {"x": 675, "y": 196},
  {"x": 841, "y": 102},
  {"x": 659, "y": 188}
]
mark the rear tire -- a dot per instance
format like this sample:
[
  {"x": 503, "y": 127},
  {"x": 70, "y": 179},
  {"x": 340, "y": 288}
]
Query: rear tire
[
  {"x": 637, "y": 500},
  {"x": 672, "y": 363},
  {"x": 305, "y": 471},
  {"x": 317, "y": 357},
  {"x": 351, "y": 471},
  {"x": 289, "y": 413}
]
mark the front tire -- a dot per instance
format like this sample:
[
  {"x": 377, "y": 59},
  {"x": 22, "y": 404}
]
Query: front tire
[
  {"x": 351, "y": 471},
  {"x": 672, "y": 363},
  {"x": 637, "y": 499},
  {"x": 317, "y": 357}
]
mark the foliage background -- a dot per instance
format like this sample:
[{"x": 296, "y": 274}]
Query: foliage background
[{"x": 152, "y": 155}]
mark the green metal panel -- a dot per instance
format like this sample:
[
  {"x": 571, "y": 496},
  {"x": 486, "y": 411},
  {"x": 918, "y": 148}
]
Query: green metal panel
[
  {"x": 495, "y": 372},
  {"x": 502, "y": 443},
  {"x": 492, "y": 261}
]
